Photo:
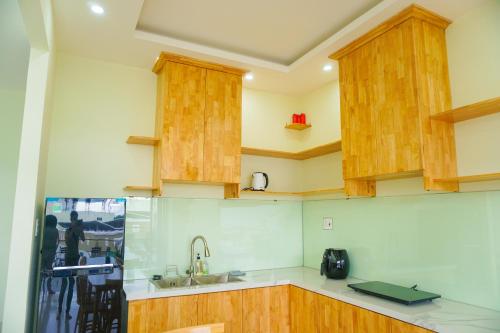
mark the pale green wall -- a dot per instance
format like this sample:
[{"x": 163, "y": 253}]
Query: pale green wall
[
  {"x": 445, "y": 243},
  {"x": 11, "y": 116},
  {"x": 241, "y": 234}
]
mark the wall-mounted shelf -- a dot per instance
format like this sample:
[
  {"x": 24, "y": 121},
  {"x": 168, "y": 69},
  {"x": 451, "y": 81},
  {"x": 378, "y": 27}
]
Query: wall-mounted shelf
[
  {"x": 304, "y": 193},
  {"x": 298, "y": 127},
  {"x": 472, "y": 178},
  {"x": 143, "y": 140},
  {"x": 471, "y": 111},
  {"x": 302, "y": 155},
  {"x": 140, "y": 188}
]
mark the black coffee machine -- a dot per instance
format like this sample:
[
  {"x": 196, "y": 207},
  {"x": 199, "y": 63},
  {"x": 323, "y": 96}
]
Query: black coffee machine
[{"x": 335, "y": 264}]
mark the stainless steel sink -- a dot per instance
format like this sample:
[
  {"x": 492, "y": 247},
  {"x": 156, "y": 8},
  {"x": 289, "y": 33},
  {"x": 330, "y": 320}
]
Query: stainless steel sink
[
  {"x": 174, "y": 282},
  {"x": 216, "y": 279},
  {"x": 186, "y": 281}
]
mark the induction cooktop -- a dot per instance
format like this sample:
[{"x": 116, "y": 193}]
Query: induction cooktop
[{"x": 394, "y": 292}]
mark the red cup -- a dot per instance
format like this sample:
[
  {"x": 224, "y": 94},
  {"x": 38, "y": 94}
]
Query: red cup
[
  {"x": 295, "y": 118},
  {"x": 303, "y": 118}
]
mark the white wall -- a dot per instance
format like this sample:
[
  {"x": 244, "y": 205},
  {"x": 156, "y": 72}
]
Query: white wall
[
  {"x": 21, "y": 284},
  {"x": 11, "y": 115}
]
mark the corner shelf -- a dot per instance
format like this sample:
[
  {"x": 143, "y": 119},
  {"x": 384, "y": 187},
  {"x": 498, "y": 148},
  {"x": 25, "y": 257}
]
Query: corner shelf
[
  {"x": 143, "y": 140},
  {"x": 140, "y": 188},
  {"x": 471, "y": 111},
  {"x": 329, "y": 148},
  {"x": 304, "y": 193},
  {"x": 298, "y": 127},
  {"x": 472, "y": 178}
]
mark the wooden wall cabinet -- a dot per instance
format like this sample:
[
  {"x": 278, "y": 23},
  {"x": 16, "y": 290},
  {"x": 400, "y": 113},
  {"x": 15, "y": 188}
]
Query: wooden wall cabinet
[
  {"x": 392, "y": 80},
  {"x": 198, "y": 123}
]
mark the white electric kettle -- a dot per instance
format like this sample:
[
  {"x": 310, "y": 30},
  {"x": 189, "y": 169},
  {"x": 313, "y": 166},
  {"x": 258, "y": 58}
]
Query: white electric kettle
[{"x": 260, "y": 181}]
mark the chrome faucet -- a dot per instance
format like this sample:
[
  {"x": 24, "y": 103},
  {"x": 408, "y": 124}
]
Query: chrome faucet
[{"x": 207, "y": 252}]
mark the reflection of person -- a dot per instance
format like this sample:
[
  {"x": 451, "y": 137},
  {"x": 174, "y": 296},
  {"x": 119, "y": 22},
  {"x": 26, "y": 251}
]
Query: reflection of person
[
  {"x": 73, "y": 235},
  {"x": 49, "y": 248}
]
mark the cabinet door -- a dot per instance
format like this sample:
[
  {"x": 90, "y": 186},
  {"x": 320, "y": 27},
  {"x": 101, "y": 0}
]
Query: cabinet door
[
  {"x": 222, "y": 307},
  {"x": 358, "y": 320},
  {"x": 358, "y": 122},
  {"x": 303, "y": 310},
  {"x": 402, "y": 327},
  {"x": 328, "y": 315},
  {"x": 171, "y": 313},
  {"x": 137, "y": 311},
  {"x": 222, "y": 128},
  {"x": 266, "y": 310},
  {"x": 184, "y": 121},
  {"x": 394, "y": 101}
]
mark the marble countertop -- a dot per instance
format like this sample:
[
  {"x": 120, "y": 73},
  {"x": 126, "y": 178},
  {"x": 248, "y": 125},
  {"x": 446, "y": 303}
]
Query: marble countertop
[{"x": 440, "y": 315}]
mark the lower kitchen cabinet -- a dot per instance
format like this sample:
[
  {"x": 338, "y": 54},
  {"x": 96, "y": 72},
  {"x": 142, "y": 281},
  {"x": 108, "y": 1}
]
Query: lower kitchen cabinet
[
  {"x": 356, "y": 319},
  {"x": 266, "y": 310},
  {"x": 171, "y": 312},
  {"x": 223, "y": 307},
  {"x": 280, "y": 309}
]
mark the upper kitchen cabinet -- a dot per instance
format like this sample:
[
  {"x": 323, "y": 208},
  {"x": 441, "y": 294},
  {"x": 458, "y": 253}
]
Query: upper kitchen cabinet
[
  {"x": 198, "y": 123},
  {"x": 392, "y": 80}
]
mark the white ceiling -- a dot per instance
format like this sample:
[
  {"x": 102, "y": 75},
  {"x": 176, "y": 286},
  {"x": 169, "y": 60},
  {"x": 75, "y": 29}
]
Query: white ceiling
[
  {"x": 14, "y": 57},
  {"x": 285, "y": 50},
  {"x": 280, "y": 31}
]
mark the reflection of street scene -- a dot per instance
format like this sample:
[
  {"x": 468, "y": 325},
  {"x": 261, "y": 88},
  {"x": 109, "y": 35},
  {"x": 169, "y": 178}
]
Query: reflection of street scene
[{"x": 80, "y": 232}]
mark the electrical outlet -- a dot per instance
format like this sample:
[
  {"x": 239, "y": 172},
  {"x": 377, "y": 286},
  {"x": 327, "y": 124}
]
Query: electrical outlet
[{"x": 327, "y": 223}]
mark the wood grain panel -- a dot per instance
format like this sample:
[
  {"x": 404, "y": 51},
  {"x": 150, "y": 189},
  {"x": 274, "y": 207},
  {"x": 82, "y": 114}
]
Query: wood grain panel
[
  {"x": 358, "y": 320},
  {"x": 328, "y": 314},
  {"x": 411, "y": 11},
  {"x": 394, "y": 101},
  {"x": 325, "y": 149},
  {"x": 222, "y": 140},
  {"x": 221, "y": 307},
  {"x": 161, "y": 102},
  {"x": 471, "y": 111},
  {"x": 303, "y": 310},
  {"x": 166, "y": 57},
  {"x": 137, "y": 312},
  {"x": 438, "y": 137},
  {"x": 472, "y": 178},
  {"x": 184, "y": 125},
  {"x": 171, "y": 313},
  {"x": 231, "y": 191},
  {"x": 402, "y": 327},
  {"x": 143, "y": 140},
  {"x": 266, "y": 310}
]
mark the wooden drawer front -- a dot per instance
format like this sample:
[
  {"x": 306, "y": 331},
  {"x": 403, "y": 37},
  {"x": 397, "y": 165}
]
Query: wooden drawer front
[
  {"x": 222, "y": 307},
  {"x": 266, "y": 310}
]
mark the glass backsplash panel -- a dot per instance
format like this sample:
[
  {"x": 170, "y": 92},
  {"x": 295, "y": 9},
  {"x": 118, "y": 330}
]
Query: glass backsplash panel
[
  {"x": 241, "y": 234},
  {"x": 445, "y": 243}
]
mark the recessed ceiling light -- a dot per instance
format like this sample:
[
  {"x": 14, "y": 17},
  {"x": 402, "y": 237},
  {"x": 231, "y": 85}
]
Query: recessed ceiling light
[
  {"x": 249, "y": 76},
  {"x": 96, "y": 9},
  {"x": 327, "y": 67}
]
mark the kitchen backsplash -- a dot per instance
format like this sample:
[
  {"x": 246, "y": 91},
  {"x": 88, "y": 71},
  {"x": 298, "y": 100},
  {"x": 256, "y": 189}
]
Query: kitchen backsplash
[
  {"x": 445, "y": 243},
  {"x": 241, "y": 234}
]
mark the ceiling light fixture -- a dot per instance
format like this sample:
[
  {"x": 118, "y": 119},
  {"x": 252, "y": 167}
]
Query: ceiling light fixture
[
  {"x": 249, "y": 76},
  {"x": 97, "y": 9},
  {"x": 327, "y": 68}
]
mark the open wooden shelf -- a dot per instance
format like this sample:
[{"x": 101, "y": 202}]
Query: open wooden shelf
[
  {"x": 472, "y": 178},
  {"x": 302, "y": 155},
  {"x": 304, "y": 193},
  {"x": 143, "y": 140},
  {"x": 140, "y": 188},
  {"x": 471, "y": 111},
  {"x": 298, "y": 127}
]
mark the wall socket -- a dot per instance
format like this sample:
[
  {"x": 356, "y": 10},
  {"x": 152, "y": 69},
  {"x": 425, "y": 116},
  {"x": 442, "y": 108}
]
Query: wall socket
[{"x": 327, "y": 223}]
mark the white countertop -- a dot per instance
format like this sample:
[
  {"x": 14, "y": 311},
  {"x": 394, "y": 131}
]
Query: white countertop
[{"x": 440, "y": 315}]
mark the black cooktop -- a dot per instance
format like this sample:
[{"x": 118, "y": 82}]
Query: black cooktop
[{"x": 394, "y": 292}]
